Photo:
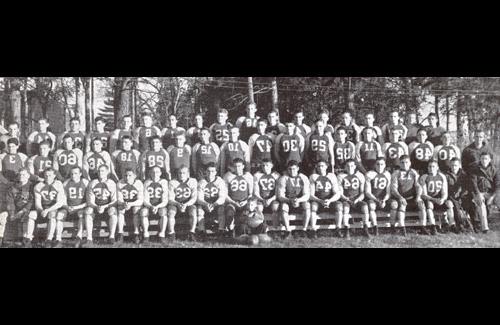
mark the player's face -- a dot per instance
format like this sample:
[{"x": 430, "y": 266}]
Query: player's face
[
  {"x": 156, "y": 173},
  {"x": 172, "y": 121},
  {"x": 322, "y": 168},
  {"x": 68, "y": 143},
  {"x": 455, "y": 166},
  {"x": 239, "y": 168},
  {"x": 380, "y": 166},
  {"x": 211, "y": 174},
  {"x": 235, "y": 134},
  {"x": 75, "y": 126},
  {"x": 485, "y": 160},
  {"x": 261, "y": 128},
  {"x": 180, "y": 141},
  {"x": 394, "y": 118},
  {"x": 412, "y": 118},
  {"x": 130, "y": 177},
  {"x": 24, "y": 176},
  {"x": 320, "y": 126},
  {"x": 97, "y": 146},
  {"x": 446, "y": 139},
  {"x": 183, "y": 174},
  {"x": 147, "y": 121},
  {"x": 433, "y": 121},
  {"x": 44, "y": 150},
  {"x": 14, "y": 130},
  {"x": 205, "y": 136},
  {"x": 157, "y": 145},
  {"x": 100, "y": 126},
  {"x": 351, "y": 168},
  {"x": 290, "y": 127},
  {"x": 43, "y": 125},
  {"x": 50, "y": 176},
  {"x": 273, "y": 118},
  {"x": 293, "y": 171},
  {"x": 405, "y": 164},
  {"x": 342, "y": 135},
  {"x": 103, "y": 172},
  {"x": 299, "y": 118},
  {"x": 12, "y": 148},
  {"x": 76, "y": 175},
  {"x": 369, "y": 119},
  {"x": 324, "y": 117},
  {"x": 369, "y": 135},
  {"x": 346, "y": 118},
  {"x": 252, "y": 205},
  {"x": 221, "y": 118},
  {"x": 267, "y": 167},
  {"x": 479, "y": 137},
  {"x": 422, "y": 136},
  {"x": 433, "y": 168},
  {"x": 251, "y": 109},
  {"x": 127, "y": 123},
  {"x": 127, "y": 144},
  {"x": 198, "y": 121}
]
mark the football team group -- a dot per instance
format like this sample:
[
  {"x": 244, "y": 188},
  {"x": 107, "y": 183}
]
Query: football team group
[{"x": 224, "y": 178}]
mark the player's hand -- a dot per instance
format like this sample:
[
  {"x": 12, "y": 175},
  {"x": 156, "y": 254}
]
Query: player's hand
[
  {"x": 403, "y": 201},
  {"x": 70, "y": 209},
  {"x": 440, "y": 201},
  {"x": 326, "y": 203},
  {"x": 127, "y": 206},
  {"x": 101, "y": 210},
  {"x": 44, "y": 214},
  {"x": 268, "y": 202},
  {"x": 491, "y": 201},
  {"x": 210, "y": 207},
  {"x": 154, "y": 210},
  {"x": 296, "y": 203},
  {"x": 419, "y": 200},
  {"x": 382, "y": 203},
  {"x": 243, "y": 203},
  {"x": 183, "y": 207},
  {"x": 480, "y": 197}
]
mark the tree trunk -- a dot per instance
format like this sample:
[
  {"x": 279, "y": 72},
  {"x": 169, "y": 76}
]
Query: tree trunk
[
  {"x": 275, "y": 94},
  {"x": 122, "y": 104},
  {"x": 348, "y": 95},
  {"x": 80, "y": 104},
  {"x": 25, "y": 121},
  {"x": 88, "y": 112},
  {"x": 92, "y": 93},
  {"x": 436, "y": 107},
  {"x": 251, "y": 96},
  {"x": 447, "y": 113}
]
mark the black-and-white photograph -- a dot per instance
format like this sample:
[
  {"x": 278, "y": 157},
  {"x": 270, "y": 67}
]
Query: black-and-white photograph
[{"x": 238, "y": 162}]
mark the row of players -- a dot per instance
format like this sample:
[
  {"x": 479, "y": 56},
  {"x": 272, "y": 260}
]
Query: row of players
[
  {"x": 239, "y": 200},
  {"x": 318, "y": 145}
]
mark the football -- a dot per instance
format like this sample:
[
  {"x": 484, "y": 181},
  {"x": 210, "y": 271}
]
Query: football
[
  {"x": 253, "y": 240},
  {"x": 264, "y": 238},
  {"x": 254, "y": 222}
]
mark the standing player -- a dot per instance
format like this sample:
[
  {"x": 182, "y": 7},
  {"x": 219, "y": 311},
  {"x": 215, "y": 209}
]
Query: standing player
[
  {"x": 352, "y": 129},
  {"x": 274, "y": 127},
  {"x": 155, "y": 204},
  {"x": 130, "y": 201},
  {"x": 183, "y": 195},
  {"x": 42, "y": 135},
  {"x": 352, "y": 184},
  {"x": 324, "y": 192},
  {"x": 220, "y": 130},
  {"x": 95, "y": 159},
  {"x": 394, "y": 124},
  {"x": 377, "y": 131},
  {"x": 394, "y": 150},
  {"x": 126, "y": 158},
  {"x": 367, "y": 151},
  {"x": 434, "y": 131},
  {"x": 39, "y": 163},
  {"x": 99, "y": 133},
  {"x": 179, "y": 153},
  {"x": 204, "y": 154},
  {"x": 265, "y": 190},
  {"x": 193, "y": 134},
  {"x": 407, "y": 194},
  {"x": 412, "y": 127},
  {"x": 75, "y": 133},
  {"x": 240, "y": 189},
  {"x": 457, "y": 193},
  {"x": 293, "y": 192},
  {"x": 324, "y": 115},
  {"x": 156, "y": 157},
  {"x": 377, "y": 190},
  {"x": 300, "y": 127},
  {"x": 15, "y": 133},
  {"x": 50, "y": 197},
  {"x": 248, "y": 124},
  {"x": 435, "y": 195},
  {"x": 101, "y": 203},
  {"x": 11, "y": 162},
  {"x": 288, "y": 147},
  {"x": 471, "y": 155},
  {"x": 75, "y": 189},
  {"x": 145, "y": 132},
  {"x": 67, "y": 158},
  {"x": 234, "y": 149},
  {"x": 421, "y": 152},
  {"x": 343, "y": 150},
  {"x": 118, "y": 134},
  {"x": 169, "y": 134},
  {"x": 260, "y": 146},
  {"x": 318, "y": 147},
  {"x": 445, "y": 152},
  {"x": 212, "y": 195}
]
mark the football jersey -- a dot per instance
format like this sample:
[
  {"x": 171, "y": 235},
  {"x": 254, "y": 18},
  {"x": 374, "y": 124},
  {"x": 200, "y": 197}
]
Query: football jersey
[
  {"x": 212, "y": 191},
  {"x": 421, "y": 154},
  {"x": 323, "y": 185},
  {"x": 155, "y": 192},
  {"x": 11, "y": 165},
  {"x": 393, "y": 153},
  {"x": 67, "y": 160},
  {"x": 183, "y": 191},
  {"x": 289, "y": 148},
  {"x": 144, "y": 134},
  {"x": 444, "y": 155},
  {"x": 343, "y": 152},
  {"x": 368, "y": 153},
  {"x": 405, "y": 182},
  {"x": 40, "y": 164},
  {"x": 205, "y": 154},
  {"x": 126, "y": 160},
  {"x": 379, "y": 183},
  {"x": 128, "y": 191},
  {"x": 169, "y": 135},
  {"x": 75, "y": 192},
  {"x": 433, "y": 184},
  {"x": 105, "y": 138},
  {"x": 377, "y": 133},
  {"x": 318, "y": 148},
  {"x": 294, "y": 187},
  {"x": 434, "y": 135},
  {"x": 238, "y": 186},
  {"x": 262, "y": 146},
  {"x": 156, "y": 159},
  {"x": 352, "y": 185},
  {"x": 248, "y": 126},
  {"x": 275, "y": 130},
  {"x": 232, "y": 151},
  {"x": 352, "y": 131},
  {"x": 78, "y": 139},
  {"x": 179, "y": 157},
  {"x": 94, "y": 161},
  {"x": 104, "y": 192},
  {"x": 266, "y": 184},
  {"x": 220, "y": 133},
  {"x": 49, "y": 193},
  {"x": 38, "y": 138}
]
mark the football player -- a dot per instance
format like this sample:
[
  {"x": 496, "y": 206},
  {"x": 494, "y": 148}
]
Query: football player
[
  {"x": 118, "y": 134},
  {"x": 248, "y": 124},
  {"x": 11, "y": 162},
  {"x": 300, "y": 126},
  {"x": 99, "y": 133},
  {"x": 324, "y": 115},
  {"x": 434, "y": 131},
  {"x": 367, "y": 151},
  {"x": 352, "y": 129},
  {"x": 377, "y": 191},
  {"x": 394, "y": 124},
  {"x": 126, "y": 158},
  {"x": 144, "y": 133},
  {"x": 265, "y": 190},
  {"x": 343, "y": 150},
  {"x": 75, "y": 189},
  {"x": 220, "y": 130},
  {"x": 394, "y": 150},
  {"x": 75, "y": 133},
  {"x": 377, "y": 131},
  {"x": 204, "y": 153},
  {"x": 96, "y": 158},
  {"x": 155, "y": 204},
  {"x": 274, "y": 126},
  {"x": 233, "y": 149},
  {"x": 193, "y": 133},
  {"x": 421, "y": 152},
  {"x": 179, "y": 153},
  {"x": 130, "y": 201},
  {"x": 39, "y": 136},
  {"x": 318, "y": 147},
  {"x": 39, "y": 163},
  {"x": 288, "y": 146},
  {"x": 212, "y": 194},
  {"x": 169, "y": 134},
  {"x": 67, "y": 158},
  {"x": 445, "y": 152},
  {"x": 260, "y": 147},
  {"x": 156, "y": 157}
]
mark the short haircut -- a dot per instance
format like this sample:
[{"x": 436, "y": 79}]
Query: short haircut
[
  {"x": 75, "y": 119},
  {"x": 347, "y": 112},
  {"x": 129, "y": 170},
  {"x": 43, "y": 119},
  {"x": 126, "y": 137},
  {"x": 99, "y": 119},
  {"x": 348, "y": 161},
  {"x": 273, "y": 111},
  {"x": 237, "y": 161},
  {"x": 67, "y": 136},
  {"x": 45, "y": 143},
  {"x": 210, "y": 165},
  {"x": 404, "y": 157},
  {"x": 341, "y": 128},
  {"x": 485, "y": 153},
  {"x": 14, "y": 123},
  {"x": 321, "y": 162},
  {"x": 431, "y": 115},
  {"x": 380, "y": 159},
  {"x": 126, "y": 116},
  {"x": 223, "y": 111},
  {"x": 94, "y": 140},
  {"x": 262, "y": 120},
  {"x": 77, "y": 167},
  {"x": 153, "y": 138},
  {"x": 13, "y": 141},
  {"x": 455, "y": 160},
  {"x": 49, "y": 170},
  {"x": 205, "y": 129},
  {"x": 266, "y": 161},
  {"x": 292, "y": 163},
  {"x": 433, "y": 161},
  {"x": 422, "y": 129}
]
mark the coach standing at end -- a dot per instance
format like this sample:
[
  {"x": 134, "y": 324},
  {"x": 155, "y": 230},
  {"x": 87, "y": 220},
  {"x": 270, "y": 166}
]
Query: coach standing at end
[{"x": 471, "y": 155}]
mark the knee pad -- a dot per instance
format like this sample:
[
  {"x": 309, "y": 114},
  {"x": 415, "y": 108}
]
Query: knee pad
[{"x": 170, "y": 213}]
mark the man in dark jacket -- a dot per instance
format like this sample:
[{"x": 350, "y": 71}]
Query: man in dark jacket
[
  {"x": 485, "y": 183},
  {"x": 472, "y": 153},
  {"x": 457, "y": 189}
]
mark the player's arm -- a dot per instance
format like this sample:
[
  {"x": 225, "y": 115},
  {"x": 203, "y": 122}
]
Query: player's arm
[
  {"x": 395, "y": 186},
  {"x": 38, "y": 198},
  {"x": 240, "y": 121},
  {"x": 88, "y": 143},
  {"x": 368, "y": 189},
  {"x": 436, "y": 151},
  {"x": 194, "y": 160},
  {"x": 246, "y": 151},
  {"x": 201, "y": 194},
  {"x": 171, "y": 194},
  {"x": 335, "y": 188},
  {"x": 167, "y": 163},
  {"x": 60, "y": 199},
  {"x": 91, "y": 195},
  {"x": 457, "y": 152},
  {"x": 379, "y": 150},
  {"x": 251, "y": 144},
  {"x": 256, "y": 188},
  {"x": 147, "y": 202},
  {"x": 109, "y": 161},
  {"x": 276, "y": 151},
  {"x": 307, "y": 190},
  {"x": 86, "y": 167},
  {"x": 281, "y": 190},
  {"x": 222, "y": 159},
  {"x": 140, "y": 195},
  {"x": 307, "y": 142},
  {"x": 444, "y": 190},
  {"x": 388, "y": 188},
  {"x": 361, "y": 195},
  {"x": 217, "y": 151},
  {"x": 249, "y": 179},
  {"x": 30, "y": 141},
  {"x": 312, "y": 191},
  {"x": 419, "y": 189},
  {"x": 331, "y": 143},
  {"x": 30, "y": 164},
  {"x": 301, "y": 145}
]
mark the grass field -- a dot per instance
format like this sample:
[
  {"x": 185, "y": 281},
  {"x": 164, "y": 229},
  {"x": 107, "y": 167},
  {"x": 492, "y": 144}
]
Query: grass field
[{"x": 384, "y": 240}]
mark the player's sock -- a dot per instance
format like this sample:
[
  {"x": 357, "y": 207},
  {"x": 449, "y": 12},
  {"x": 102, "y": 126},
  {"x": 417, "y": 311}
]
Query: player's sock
[
  {"x": 375, "y": 230},
  {"x": 59, "y": 229},
  {"x": 51, "y": 229},
  {"x": 347, "y": 233},
  {"x": 79, "y": 234},
  {"x": 113, "y": 221},
  {"x": 366, "y": 232}
]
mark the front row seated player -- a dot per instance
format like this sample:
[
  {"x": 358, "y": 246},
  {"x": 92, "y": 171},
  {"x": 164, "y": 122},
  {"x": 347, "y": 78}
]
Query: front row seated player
[
  {"x": 265, "y": 190},
  {"x": 293, "y": 192},
  {"x": 324, "y": 191},
  {"x": 130, "y": 201},
  {"x": 407, "y": 194},
  {"x": 182, "y": 197},
  {"x": 76, "y": 199},
  {"x": 458, "y": 195},
  {"x": 155, "y": 204},
  {"x": 378, "y": 191},
  {"x": 212, "y": 194},
  {"x": 101, "y": 204}
]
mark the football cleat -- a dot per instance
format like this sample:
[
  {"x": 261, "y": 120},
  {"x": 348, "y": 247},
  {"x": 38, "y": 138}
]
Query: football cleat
[
  {"x": 347, "y": 233},
  {"x": 366, "y": 231},
  {"x": 47, "y": 244},
  {"x": 78, "y": 243},
  {"x": 57, "y": 244},
  {"x": 375, "y": 230},
  {"x": 27, "y": 243}
]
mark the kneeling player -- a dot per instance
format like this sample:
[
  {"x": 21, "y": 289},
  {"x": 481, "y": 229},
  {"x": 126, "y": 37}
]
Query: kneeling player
[
  {"x": 130, "y": 201},
  {"x": 294, "y": 192},
  {"x": 183, "y": 194},
  {"x": 324, "y": 191},
  {"x": 378, "y": 190},
  {"x": 265, "y": 190},
  {"x": 212, "y": 194},
  {"x": 101, "y": 200},
  {"x": 155, "y": 203},
  {"x": 76, "y": 189},
  {"x": 407, "y": 194},
  {"x": 49, "y": 199},
  {"x": 435, "y": 195},
  {"x": 352, "y": 184}
]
